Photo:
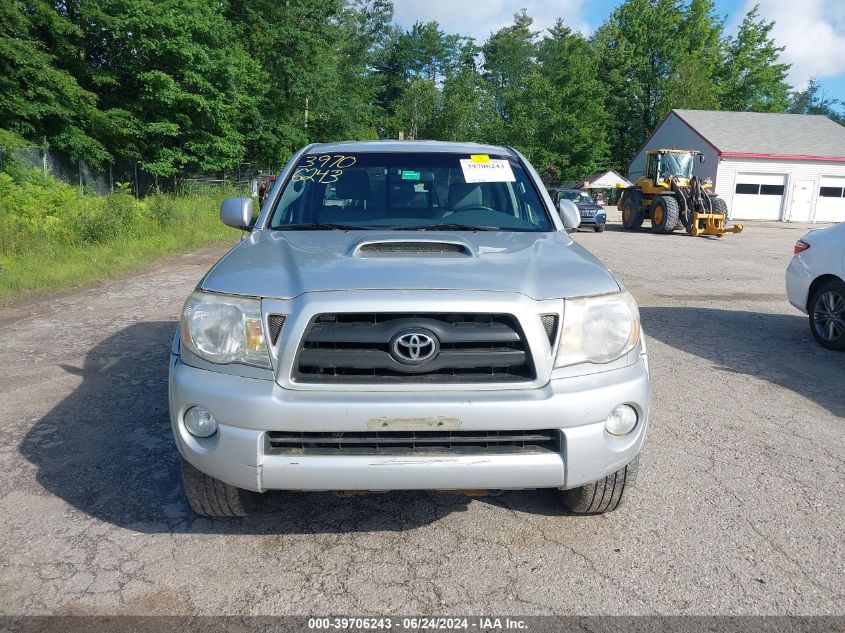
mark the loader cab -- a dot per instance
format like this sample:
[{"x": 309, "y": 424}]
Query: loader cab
[{"x": 663, "y": 164}]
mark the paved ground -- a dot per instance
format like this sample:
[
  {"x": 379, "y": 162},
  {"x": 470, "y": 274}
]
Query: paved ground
[{"x": 739, "y": 508}]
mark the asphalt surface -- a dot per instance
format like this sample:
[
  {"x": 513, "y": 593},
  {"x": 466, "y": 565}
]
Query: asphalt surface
[{"x": 738, "y": 510}]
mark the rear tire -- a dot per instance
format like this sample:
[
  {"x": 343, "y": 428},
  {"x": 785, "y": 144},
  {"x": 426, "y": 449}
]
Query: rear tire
[
  {"x": 827, "y": 315},
  {"x": 604, "y": 495},
  {"x": 667, "y": 212},
  {"x": 632, "y": 214},
  {"x": 210, "y": 497}
]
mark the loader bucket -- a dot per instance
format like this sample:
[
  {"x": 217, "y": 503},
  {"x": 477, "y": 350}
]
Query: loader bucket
[{"x": 712, "y": 224}]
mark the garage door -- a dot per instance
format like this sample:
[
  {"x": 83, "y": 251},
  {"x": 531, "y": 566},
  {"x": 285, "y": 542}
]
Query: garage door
[
  {"x": 830, "y": 206},
  {"x": 758, "y": 196}
]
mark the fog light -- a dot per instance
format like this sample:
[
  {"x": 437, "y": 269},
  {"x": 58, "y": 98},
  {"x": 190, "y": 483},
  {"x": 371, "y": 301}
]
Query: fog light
[
  {"x": 621, "y": 420},
  {"x": 200, "y": 422}
]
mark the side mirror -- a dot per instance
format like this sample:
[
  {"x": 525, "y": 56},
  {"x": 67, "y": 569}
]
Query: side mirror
[
  {"x": 570, "y": 214},
  {"x": 237, "y": 213},
  {"x": 701, "y": 158}
]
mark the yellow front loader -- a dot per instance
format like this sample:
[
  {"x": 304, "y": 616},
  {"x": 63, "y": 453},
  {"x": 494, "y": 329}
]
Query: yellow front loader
[{"x": 672, "y": 197}]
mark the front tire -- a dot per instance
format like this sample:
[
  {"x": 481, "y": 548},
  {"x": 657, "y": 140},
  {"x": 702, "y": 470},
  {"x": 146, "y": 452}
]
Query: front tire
[
  {"x": 827, "y": 315},
  {"x": 665, "y": 212},
  {"x": 719, "y": 206},
  {"x": 604, "y": 495},
  {"x": 598, "y": 228},
  {"x": 210, "y": 497}
]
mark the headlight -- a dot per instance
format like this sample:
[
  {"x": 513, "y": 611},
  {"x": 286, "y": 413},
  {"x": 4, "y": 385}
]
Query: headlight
[
  {"x": 224, "y": 329},
  {"x": 598, "y": 329}
]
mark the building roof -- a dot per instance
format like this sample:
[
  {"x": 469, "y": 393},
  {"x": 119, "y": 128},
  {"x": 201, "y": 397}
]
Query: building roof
[
  {"x": 605, "y": 179},
  {"x": 768, "y": 135}
]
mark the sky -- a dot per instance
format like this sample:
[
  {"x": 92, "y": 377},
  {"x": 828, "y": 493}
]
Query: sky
[{"x": 813, "y": 31}]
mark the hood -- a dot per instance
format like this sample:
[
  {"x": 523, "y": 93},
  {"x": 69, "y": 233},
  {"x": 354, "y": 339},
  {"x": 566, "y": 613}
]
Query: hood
[
  {"x": 285, "y": 264},
  {"x": 589, "y": 206}
]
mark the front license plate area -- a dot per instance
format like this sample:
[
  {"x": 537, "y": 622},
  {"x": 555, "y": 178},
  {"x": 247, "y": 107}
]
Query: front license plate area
[{"x": 438, "y": 423}]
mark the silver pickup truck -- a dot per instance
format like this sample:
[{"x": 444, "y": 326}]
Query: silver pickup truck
[{"x": 407, "y": 315}]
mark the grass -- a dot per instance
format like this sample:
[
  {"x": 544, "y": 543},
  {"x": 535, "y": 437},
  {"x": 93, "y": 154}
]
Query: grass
[{"x": 53, "y": 238}]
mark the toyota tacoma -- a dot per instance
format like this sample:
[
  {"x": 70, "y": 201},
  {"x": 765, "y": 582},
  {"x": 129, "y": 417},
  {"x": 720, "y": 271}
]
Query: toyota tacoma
[{"x": 405, "y": 316}]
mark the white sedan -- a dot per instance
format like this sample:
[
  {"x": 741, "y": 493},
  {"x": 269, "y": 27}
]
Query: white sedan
[{"x": 815, "y": 283}]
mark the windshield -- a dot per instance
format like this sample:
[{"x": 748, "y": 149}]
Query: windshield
[
  {"x": 578, "y": 197},
  {"x": 675, "y": 164},
  {"x": 398, "y": 190}
]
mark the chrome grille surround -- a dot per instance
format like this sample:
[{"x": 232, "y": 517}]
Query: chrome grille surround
[{"x": 356, "y": 348}]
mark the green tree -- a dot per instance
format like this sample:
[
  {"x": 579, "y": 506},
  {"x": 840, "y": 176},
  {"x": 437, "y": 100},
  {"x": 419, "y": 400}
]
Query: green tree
[
  {"x": 513, "y": 80},
  {"x": 354, "y": 113},
  {"x": 531, "y": 123},
  {"x": 409, "y": 66},
  {"x": 752, "y": 76},
  {"x": 691, "y": 85},
  {"x": 638, "y": 47},
  {"x": 579, "y": 134},
  {"x": 414, "y": 111},
  {"x": 692, "y": 81},
  {"x": 38, "y": 99},
  {"x": 298, "y": 46},
  {"x": 813, "y": 100},
  {"x": 180, "y": 84},
  {"x": 510, "y": 52},
  {"x": 466, "y": 110}
]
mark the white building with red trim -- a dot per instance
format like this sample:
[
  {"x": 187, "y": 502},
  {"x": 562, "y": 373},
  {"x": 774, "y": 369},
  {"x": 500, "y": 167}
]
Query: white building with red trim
[{"x": 788, "y": 167}]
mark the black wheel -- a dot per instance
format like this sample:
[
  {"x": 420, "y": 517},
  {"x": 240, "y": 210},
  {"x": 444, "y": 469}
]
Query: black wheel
[
  {"x": 604, "y": 495},
  {"x": 719, "y": 206},
  {"x": 685, "y": 216},
  {"x": 664, "y": 214},
  {"x": 210, "y": 497},
  {"x": 632, "y": 214},
  {"x": 598, "y": 228},
  {"x": 827, "y": 315}
]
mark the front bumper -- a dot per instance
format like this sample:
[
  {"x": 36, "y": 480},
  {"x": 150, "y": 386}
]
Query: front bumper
[
  {"x": 246, "y": 408},
  {"x": 593, "y": 220}
]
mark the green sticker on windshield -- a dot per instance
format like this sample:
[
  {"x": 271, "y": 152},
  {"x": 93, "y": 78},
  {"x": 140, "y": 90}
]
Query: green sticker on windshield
[{"x": 411, "y": 175}]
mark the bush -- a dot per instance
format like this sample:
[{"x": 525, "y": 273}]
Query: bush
[{"x": 51, "y": 235}]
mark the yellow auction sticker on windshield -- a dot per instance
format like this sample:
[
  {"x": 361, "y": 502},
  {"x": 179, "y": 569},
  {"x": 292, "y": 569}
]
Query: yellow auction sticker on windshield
[
  {"x": 479, "y": 158},
  {"x": 491, "y": 171}
]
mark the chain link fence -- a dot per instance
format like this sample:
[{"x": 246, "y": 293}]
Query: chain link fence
[{"x": 246, "y": 177}]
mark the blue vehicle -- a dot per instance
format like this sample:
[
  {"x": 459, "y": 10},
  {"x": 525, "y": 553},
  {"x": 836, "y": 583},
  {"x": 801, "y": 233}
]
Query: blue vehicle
[{"x": 592, "y": 214}]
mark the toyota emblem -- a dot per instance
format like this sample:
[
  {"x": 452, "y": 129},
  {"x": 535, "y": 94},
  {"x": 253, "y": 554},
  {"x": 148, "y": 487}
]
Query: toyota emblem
[{"x": 414, "y": 347}]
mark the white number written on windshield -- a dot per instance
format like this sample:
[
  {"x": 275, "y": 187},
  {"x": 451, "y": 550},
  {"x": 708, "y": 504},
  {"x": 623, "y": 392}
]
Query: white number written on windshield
[{"x": 325, "y": 169}]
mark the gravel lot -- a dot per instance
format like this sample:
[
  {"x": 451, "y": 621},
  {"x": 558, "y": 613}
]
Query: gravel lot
[{"x": 739, "y": 508}]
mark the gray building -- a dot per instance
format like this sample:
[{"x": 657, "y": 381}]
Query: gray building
[{"x": 788, "y": 167}]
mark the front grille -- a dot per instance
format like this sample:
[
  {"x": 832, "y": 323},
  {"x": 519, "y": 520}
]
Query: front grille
[
  {"x": 413, "y": 443},
  {"x": 355, "y": 348}
]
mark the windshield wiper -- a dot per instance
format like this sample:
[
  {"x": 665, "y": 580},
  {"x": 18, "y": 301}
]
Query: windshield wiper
[
  {"x": 445, "y": 227},
  {"x": 319, "y": 226}
]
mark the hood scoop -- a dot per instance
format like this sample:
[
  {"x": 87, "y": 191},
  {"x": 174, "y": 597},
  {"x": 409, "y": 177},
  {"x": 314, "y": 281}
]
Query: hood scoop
[{"x": 411, "y": 248}]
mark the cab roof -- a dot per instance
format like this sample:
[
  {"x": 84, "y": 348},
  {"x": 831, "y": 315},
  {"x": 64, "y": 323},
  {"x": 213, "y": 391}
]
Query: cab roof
[
  {"x": 674, "y": 150},
  {"x": 443, "y": 147}
]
